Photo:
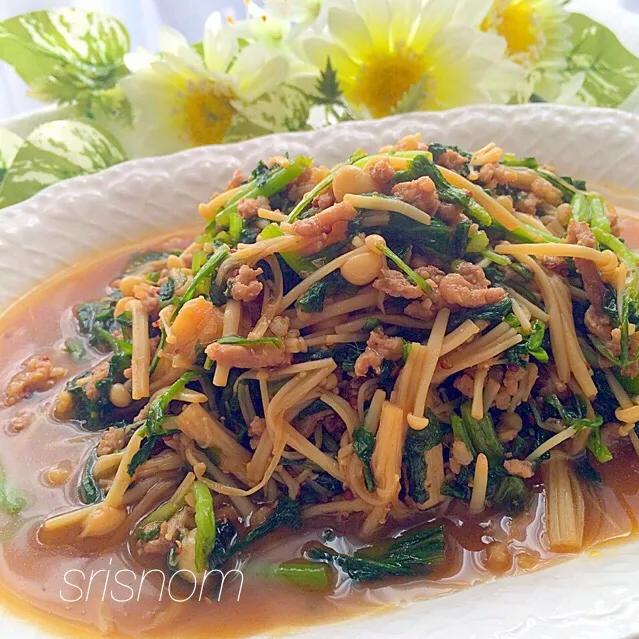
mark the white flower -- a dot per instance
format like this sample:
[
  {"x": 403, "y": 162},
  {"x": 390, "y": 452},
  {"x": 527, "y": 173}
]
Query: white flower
[
  {"x": 394, "y": 55},
  {"x": 536, "y": 34},
  {"x": 182, "y": 100}
]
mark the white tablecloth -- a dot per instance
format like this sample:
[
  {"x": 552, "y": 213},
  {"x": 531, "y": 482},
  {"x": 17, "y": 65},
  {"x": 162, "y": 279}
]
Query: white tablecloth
[{"x": 143, "y": 18}]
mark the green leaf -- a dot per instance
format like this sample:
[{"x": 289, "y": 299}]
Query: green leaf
[
  {"x": 10, "y": 143},
  {"x": 56, "y": 151},
  {"x": 66, "y": 52},
  {"x": 327, "y": 88},
  {"x": 284, "y": 109},
  {"x": 611, "y": 71}
]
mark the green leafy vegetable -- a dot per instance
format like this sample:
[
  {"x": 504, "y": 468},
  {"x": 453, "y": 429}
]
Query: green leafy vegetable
[
  {"x": 483, "y": 436},
  {"x": 511, "y": 495},
  {"x": 90, "y": 493},
  {"x": 509, "y": 159},
  {"x": 421, "y": 165},
  {"x": 276, "y": 181},
  {"x": 491, "y": 312},
  {"x": 364, "y": 445},
  {"x": 575, "y": 416},
  {"x": 167, "y": 290},
  {"x": 144, "y": 453},
  {"x": 313, "y": 300},
  {"x": 75, "y": 348},
  {"x": 286, "y": 514},
  {"x": 158, "y": 406},
  {"x": 409, "y": 554},
  {"x": 414, "y": 277},
  {"x": 437, "y": 149},
  {"x": 305, "y": 574},
  {"x": 416, "y": 444},
  {"x": 208, "y": 270},
  {"x": 205, "y": 525}
]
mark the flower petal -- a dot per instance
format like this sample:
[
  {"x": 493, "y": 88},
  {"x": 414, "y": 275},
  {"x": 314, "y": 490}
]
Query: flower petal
[
  {"x": 377, "y": 16},
  {"x": 219, "y": 43},
  {"x": 171, "y": 41},
  {"x": 318, "y": 50},
  {"x": 258, "y": 70},
  {"x": 351, "y": 31}
]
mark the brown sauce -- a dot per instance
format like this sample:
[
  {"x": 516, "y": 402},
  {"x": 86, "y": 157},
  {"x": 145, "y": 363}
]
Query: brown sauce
[{"x": 33, "y": 568}]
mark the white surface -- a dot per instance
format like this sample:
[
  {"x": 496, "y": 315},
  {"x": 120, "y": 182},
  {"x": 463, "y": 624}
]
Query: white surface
[
  {"x": 144, "y": 17},
  {"x": 587, "y": 598}
]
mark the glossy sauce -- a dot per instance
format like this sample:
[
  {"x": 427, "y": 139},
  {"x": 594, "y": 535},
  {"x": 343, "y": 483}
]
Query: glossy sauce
[{"x": 32, "y": 567}]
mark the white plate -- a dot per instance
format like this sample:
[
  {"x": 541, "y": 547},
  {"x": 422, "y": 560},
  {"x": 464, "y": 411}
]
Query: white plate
[{"x": 589, "y": 597}]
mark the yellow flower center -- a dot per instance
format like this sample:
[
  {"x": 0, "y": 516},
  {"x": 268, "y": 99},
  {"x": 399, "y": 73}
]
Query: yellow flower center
[
  {"x": 206, "y": 112},
  {"x": 384, "y": 78},
  {"x": 517, "y": 22}
]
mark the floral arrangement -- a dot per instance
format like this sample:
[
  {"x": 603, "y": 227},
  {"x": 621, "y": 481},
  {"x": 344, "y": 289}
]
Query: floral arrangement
[{"x": 289, "y": 65}]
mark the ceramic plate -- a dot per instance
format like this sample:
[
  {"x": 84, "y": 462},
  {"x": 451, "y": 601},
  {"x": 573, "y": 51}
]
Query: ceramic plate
[{"x": 589, "y": 597}]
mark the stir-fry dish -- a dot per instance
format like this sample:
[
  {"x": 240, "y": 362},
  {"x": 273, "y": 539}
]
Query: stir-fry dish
[{"x": 408, "y": 332}]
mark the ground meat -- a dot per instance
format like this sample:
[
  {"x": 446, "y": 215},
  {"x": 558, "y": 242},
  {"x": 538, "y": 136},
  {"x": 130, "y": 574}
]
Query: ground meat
[
  {"x": 324, "y": 199},
  {"x": 452, "y": 160},
  {"x": 149, "y": 296},
  {"x": 465, "y": 384},
  {"x": 421, "y": 193},
  {"x": 395, "y": 284},
  {"x": 451, "y": 214},
  {"x": 555, "y": 264},
  {"x": 598, "y": 323},
  {"x": 456, "y": 289},
  {"x": 424, "y": 309},
  {"x": 410, "y": 142},
  {"x": 100, "y": 372},
  {"x": 246, "y": 287},
  {"x": 237, "y": 179},
  {"x": 38, "y": 373},
  {"x": 304, "y": 183},
  {"x": 247, "y": 207},
  {"x": 378, "y": 348},
  {"x": 431, "y": 274},
  {"x": 564, "y": 213},
  {"x": 490, "y": 175},
  {"x": 382, "y": 173},
  {"x": 519, "y": 467},
  {"x": 512, "y": 377},
  {"x": 324, "y": 221},
  {"x": 468, "y": 287},
  {"x": 279, "y": 325},
  {"x": 459, "y": 456},
  {"x": 528, "y": 204},
  {"x": 233, "y": 355},
  {"x": 510, "y": 425},
  {"x": 112, "y": 439},
  {"x": 503, "y": 400},
  {"x": 169, "y": 531},
  {"x": 580, "y": 233}
]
